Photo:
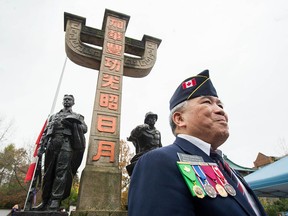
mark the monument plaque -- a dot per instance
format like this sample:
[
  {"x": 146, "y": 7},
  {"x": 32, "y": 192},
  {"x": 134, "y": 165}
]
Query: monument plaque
[{"x": 100, "y": 186}]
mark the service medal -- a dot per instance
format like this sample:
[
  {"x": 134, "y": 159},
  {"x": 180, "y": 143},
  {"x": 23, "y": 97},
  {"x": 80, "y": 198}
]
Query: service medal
[
  {"x": 230, "y": 190},
  {"x": 210, "y": 191},
  {"x": 221, "y": 190},
  {"x": 198, "y": 191}
]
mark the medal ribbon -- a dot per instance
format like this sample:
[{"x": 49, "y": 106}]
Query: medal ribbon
[
  {"x": 218, "y": 172},
  {"x": 210, "y": 173},
  {"x": 188, "y": 172},
  {"x": 200, "y": 174},
  {"x": 193, "y": 176},
  {"x": 208, "y": 188}
]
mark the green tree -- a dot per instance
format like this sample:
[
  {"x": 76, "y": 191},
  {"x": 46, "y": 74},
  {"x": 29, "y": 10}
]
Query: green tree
[
  {"x": 13, "y": 167},
  {"x": 273, "y": 206}
]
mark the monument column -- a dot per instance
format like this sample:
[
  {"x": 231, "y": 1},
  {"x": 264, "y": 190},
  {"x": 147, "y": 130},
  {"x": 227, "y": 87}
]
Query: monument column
[
  {"x": 100, "y": 186},
  {"x": 101, "y": 179}
]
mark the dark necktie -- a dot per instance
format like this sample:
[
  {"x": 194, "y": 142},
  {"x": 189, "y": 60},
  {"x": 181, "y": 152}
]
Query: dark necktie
[{"x": 225, "y": 167}]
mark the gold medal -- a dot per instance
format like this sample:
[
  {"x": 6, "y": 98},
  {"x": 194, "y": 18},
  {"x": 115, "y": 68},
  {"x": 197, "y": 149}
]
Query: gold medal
[
  {"x": 230, "y": 190},
  {"x": 221, "y": 190},
  {"x": 198, "y": 191},
  {"x": 210, "y": 191}
]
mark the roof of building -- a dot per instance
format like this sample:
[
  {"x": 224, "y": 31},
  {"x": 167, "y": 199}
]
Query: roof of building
[{"x": 236, "y": 166}]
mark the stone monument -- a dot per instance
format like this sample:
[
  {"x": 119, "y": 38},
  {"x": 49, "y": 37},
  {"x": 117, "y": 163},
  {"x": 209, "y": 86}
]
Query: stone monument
[{"x": 100, "y": 186}]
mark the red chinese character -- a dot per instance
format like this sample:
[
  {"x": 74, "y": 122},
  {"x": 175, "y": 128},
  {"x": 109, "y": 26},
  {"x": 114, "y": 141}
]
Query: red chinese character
[
  {"x": 116, "y": 23},
  {"x": 111, "y": 81},
  {"x": 115, "y": 35},
  {"x": 106, "y": 124},
  {"x": 109, "y": 101},
  {"x": 114, "y": 49},
  {"x": 112, "y": 64},
  {"x": 105, "y": 149}
]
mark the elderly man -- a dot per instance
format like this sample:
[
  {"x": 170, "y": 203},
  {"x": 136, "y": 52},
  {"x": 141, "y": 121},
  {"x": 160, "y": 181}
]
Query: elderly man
[
  {"x": 63, "y": 142},
  {"x": 189, "y": 177}
]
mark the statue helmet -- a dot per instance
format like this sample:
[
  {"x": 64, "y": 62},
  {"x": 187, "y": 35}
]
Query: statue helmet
[{"x": 150, "y": 114}]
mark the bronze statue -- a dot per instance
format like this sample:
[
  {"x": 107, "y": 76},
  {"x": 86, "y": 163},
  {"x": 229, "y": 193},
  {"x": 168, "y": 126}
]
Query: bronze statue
[
  {"x": 63, "y": 142},
  {"x": 145, "y": 138}
]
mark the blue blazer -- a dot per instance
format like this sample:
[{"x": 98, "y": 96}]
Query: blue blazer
[{"x": 157, "y": 188}]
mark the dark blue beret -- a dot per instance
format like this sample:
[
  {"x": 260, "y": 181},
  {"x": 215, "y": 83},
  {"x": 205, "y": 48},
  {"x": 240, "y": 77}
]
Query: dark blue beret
[{"x": 192, "y": 87}]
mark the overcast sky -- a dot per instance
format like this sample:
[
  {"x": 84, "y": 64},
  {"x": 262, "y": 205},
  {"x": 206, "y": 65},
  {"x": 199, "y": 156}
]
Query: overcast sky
[{"x": 243, "y": 43}]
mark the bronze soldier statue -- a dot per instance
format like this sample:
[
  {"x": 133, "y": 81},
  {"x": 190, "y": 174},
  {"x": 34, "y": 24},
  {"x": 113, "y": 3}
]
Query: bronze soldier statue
[
  {"x": 63, "y": 142},
  {"x": 145, "y": 138}
]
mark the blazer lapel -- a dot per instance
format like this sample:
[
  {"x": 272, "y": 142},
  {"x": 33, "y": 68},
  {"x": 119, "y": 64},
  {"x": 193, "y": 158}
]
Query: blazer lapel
[
  {"x": 251, "y": 192},
  {"x": 242, "y": 201}
]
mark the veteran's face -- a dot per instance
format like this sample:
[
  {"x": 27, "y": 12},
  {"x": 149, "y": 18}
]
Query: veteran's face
[{"x": 204, "y": 117}]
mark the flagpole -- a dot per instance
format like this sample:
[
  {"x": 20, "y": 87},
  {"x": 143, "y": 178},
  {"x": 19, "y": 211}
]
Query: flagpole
[{"x": 58, "y": 88}]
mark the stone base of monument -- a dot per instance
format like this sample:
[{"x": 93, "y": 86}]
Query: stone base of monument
[
  {"x": 99, "y": 213},
  {"x": 40, "y": 213}
]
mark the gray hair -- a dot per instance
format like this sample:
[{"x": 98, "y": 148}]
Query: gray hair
[{"x": 178, "y": 107}]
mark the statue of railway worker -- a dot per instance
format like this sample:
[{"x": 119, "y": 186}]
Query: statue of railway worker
[
  {"x": 63, "y": 142},
  {"x": 145, "y": 138}
]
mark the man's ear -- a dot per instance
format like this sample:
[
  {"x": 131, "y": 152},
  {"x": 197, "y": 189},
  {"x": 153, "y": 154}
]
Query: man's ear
[{"x": 178, "y": 119}]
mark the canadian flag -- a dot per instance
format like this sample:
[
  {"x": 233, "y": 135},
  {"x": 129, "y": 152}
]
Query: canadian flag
[
  {"x": 189, "y": 83},
  {"x": 32, "y": 166}
]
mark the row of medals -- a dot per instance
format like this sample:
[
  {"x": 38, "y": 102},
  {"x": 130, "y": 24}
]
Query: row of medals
[{"x": 209, "y": 189}]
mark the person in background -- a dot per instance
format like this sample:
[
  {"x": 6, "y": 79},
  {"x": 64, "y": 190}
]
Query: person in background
[
  {"x": 14, "y": 209},
  {"x": 189, "y": 177}
]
